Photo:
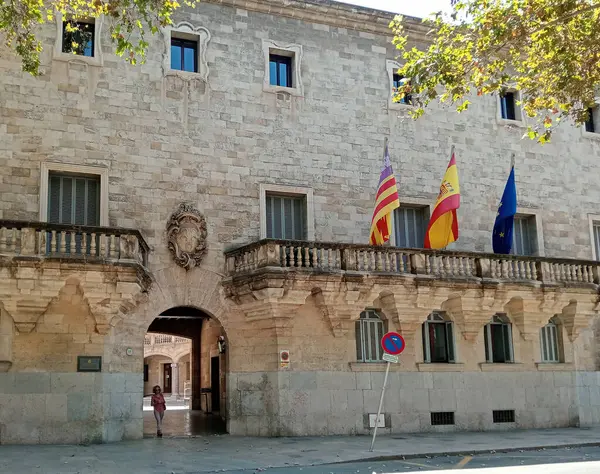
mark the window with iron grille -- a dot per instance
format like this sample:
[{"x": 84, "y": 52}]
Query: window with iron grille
[
  {"x": 551, "y": 342},
  {"x": 409, "y": 226},
  {"x": 286, "y": 217},
  {"x": 78, "y": 38},
  {"x": 524, "y": 236},
  {"x": 503, "y": 416},
  {"x": 438, "y": 339},
  {"x": 442, "y": 418},
  {"x": 370, "y": 328},
  {"x": 596, "y": 237},
  {"x": 498, "y": 340}
]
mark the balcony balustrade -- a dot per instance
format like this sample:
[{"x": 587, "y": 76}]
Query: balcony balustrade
[
  {"x": 94, "y": 244},
  {"x": 337, "y": 257}
]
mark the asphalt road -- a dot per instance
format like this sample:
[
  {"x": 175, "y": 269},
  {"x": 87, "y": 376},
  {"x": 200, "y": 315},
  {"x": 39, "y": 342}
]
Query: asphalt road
[{"x": 563, "y": 461}]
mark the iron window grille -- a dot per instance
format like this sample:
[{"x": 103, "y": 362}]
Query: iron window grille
[
  {"x": 442, "y": 418},
  {"x": 503, "y": 416}
]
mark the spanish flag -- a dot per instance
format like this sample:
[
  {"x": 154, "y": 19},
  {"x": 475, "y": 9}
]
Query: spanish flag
[
  {"x": 385, "y": 203},
  {"x": 443, "y": 225}
]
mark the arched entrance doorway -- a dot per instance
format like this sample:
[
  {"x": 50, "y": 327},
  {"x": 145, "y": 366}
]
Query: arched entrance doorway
[{"x": 184, "y": 352}]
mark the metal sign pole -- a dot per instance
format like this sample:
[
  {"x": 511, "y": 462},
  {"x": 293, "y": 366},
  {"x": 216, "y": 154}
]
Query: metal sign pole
[{"x": 387, "y": 371}]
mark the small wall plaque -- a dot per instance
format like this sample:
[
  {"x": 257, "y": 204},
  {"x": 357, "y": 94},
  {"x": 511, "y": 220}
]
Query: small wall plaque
[{"x": 89, "y": 364}]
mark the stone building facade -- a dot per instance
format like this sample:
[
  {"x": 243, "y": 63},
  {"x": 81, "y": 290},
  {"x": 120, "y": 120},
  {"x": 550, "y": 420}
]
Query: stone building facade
[{"x": 137, "y": 199}]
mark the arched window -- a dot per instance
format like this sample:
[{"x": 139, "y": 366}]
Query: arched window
[
  {"x": 498, "y": 340},
  {"x": 551, "y": 342},
  {"x": 438, "y": 339},
  {"x": 370, "y": 328}
]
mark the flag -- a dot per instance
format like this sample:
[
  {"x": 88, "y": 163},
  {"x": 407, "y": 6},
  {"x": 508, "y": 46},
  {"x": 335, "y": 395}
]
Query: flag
[
  {"x": 443, "y": 225},
  {"x": 502, "y": 236},
  {"x": 386, "y": 201}
]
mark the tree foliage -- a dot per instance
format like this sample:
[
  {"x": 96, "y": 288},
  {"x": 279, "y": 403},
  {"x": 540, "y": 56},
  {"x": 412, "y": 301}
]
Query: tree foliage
[
  {"x": 549, "y": 50},
  {"x": 129, "y": 23}
]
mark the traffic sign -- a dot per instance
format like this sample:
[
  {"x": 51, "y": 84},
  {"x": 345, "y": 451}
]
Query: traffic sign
[
  {"x": 393, "y": 343},
  {"x": 390, "y": 358}
]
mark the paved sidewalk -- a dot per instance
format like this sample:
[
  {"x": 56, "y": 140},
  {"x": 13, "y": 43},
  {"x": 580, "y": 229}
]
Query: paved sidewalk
[{"x": 223, "y": 453}]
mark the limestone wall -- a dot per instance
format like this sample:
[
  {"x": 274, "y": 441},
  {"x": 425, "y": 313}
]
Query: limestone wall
[{"x": 68, "y": 407}]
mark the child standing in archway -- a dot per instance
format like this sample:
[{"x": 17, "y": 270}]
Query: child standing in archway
[{"x": 158, "y": 402}]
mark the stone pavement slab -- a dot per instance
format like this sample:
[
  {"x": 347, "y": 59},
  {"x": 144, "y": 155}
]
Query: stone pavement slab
[{"x": 221, "y": 453}]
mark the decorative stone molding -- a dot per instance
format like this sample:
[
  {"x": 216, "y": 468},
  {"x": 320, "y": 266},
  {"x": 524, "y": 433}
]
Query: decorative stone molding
[
  {"x": 186, "y": 236},
  {"x": 185, "y": 30},
  {"x": 295, "y": 52},
  {"x": 575, "y": 316}
]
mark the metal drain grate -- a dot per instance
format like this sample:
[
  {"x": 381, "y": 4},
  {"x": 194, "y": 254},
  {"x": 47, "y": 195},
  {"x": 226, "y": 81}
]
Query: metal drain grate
[
  {"x": 504, "y": 416},
  {"x": 442, "y": 417}
]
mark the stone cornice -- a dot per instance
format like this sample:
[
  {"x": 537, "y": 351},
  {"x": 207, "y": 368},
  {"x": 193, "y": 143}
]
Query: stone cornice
[{"x": 331, "y": 13}]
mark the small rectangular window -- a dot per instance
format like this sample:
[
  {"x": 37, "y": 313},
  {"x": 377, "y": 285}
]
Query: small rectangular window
[
  {"x": 524, "y": 236},
  {"x": 184, "y": 55},
  {"x": 399, "y": 81},
  {"x": 280, "y": 70},
  {"x": 503, "y": 416},
  {"x": 590, "y": 125},
  {"x": 508, "y": 105},
  {"x": 286, "y": 217},
  {"x": 78, "y": 38},
  {"x": 442, "y": 418}
]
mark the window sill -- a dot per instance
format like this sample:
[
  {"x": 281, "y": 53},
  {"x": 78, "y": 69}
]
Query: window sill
[
  {"x": 371, "y": 366},
  {"x": 185, "y": 75},
  {"x": 77, "y": 58},
  {"x": 399, "y": 106},
  {"x": 555, "y": 366},
  {"x": 592, "y": 135},
  {"x": 294, "y": 91},
  {"x": 501, "y": 367},
  {"x": 513, "y": 123},
  {"x": 440, "y": 367}
]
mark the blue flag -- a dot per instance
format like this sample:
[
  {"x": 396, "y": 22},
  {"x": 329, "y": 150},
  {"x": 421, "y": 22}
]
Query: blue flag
[{"x": 502, "y": 236}]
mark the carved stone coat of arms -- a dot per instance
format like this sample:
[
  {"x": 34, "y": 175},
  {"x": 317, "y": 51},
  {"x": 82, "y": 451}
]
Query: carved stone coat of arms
[{"x": 186, "y": 236}]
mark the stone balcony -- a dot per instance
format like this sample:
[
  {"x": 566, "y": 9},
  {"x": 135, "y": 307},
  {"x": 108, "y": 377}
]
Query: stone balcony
[
  {"x": 273, "y": 278},
  {"x": 41, "y": 263}
]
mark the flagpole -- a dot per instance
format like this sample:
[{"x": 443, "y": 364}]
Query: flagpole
[{"x": 512, "y": 160}]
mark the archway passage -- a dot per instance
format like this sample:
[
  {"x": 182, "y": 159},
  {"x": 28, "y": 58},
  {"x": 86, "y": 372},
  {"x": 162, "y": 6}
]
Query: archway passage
[{"x": 185, "y": 355}]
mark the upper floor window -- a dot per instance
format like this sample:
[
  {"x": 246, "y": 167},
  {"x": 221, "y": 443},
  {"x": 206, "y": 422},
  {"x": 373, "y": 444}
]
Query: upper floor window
[
  {"x": 551, "y": 342},
  {"x": 73, "y": 199},
  {"x": 370, "y": 328},
  {"x": 410, "y": 224},
  {"x": 524, "y": 236},
  {"x": 590, "y": 123},
  {"x": 508, "y": 105},
  {"x": 78, "y": 38},
  {"x": 498, "y": 340},
  {"x": 184, "y": 54},
  {"x": 280, "y": 70},
  {"x": 398, "y": 81},
  {"x": 438, "y": 339},
  {"x": 596, "y": 239},
  {"x": 286, "y": 217}
]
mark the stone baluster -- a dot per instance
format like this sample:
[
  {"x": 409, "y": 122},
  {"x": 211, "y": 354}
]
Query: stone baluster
[
  {"x": 2, "y": 239},
  {"x": 313, "y": 257},
  {"x": 72, "y": 243}
]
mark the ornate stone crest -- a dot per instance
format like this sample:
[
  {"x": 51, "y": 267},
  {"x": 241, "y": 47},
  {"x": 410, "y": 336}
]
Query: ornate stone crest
[{"x": 186, "y": 236}]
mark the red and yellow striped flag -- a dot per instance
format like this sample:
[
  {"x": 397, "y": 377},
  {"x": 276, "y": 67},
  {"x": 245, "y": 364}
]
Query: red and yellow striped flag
[
  {"x": 385, "y": 203},
  {"x": 443, "y": 225}
]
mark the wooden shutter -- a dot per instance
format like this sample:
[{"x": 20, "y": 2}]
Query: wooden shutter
[
  {"x": 286, "y": 217},
  {"x": 74, "y": 200},
  {"x": 409, "y": 226},
  {"x": 596, "y": 228}
]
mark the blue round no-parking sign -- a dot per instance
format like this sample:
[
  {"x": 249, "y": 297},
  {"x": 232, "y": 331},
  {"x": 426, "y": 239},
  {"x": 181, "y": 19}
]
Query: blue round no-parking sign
[{"x": 393, "y": 343}]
